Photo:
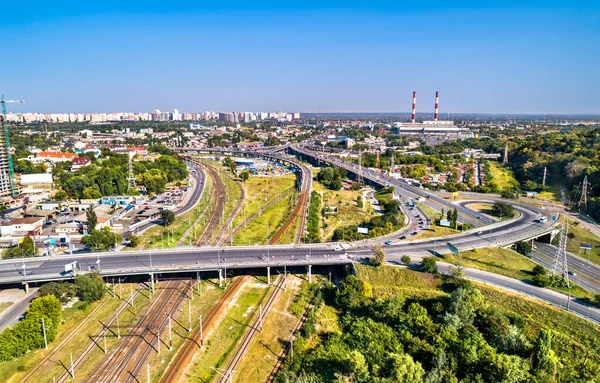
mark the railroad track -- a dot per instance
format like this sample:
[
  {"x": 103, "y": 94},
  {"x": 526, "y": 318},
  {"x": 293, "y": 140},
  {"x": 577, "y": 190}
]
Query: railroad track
[
  {"x": 219, "y": 239},
  {"x": 97, "y": 339},
  {"x": 300, "y": 210},
  {"x": 251, "y": 333},
  {"x": 124, "y": 362},
  {"x": 242, "y": 225},
  {"x": 217, "y": 212},
  {"x": 177, "y": 368}
]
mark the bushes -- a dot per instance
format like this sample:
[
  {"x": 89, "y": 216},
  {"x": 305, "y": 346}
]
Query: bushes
[
  {"x": 90, "y": 287},
  {"x": 429, "y": 265},
  {"x": 332, "y": 178},
  {"x": 312, "y": 226},
  {"x": 379, "y": 256},
  {"x": 28, "y": 334},
  {"x": 405, "y": 259},
  {"x": 523, "y": 248},
  {"x": 64, "y": 291}
]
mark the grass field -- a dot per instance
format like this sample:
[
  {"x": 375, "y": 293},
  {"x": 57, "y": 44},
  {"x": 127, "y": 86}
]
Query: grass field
[
  {"x": 503, "y": 262},
  {"x": 501, "y": 177},
  {"x": 160, "y": 237},
  {"x": 260, "y": 191},
  {"x": 583, "y": 235},
  {"x": 5, "y": 305},
  {"x": 14, "y": 370},
  {"x": 484, "y": 208},
  {"x": 223, "y": 340},
  {"x": 232, "y": 192},
  {"x": 265, "y": 225},
  {"x": 348, "y": 212}
]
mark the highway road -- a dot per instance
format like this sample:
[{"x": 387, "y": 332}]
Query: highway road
[{"x": 180, "y": 260}]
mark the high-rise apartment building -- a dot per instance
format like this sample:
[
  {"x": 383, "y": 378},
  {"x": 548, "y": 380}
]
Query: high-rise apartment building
[{"x": 5, "y": 174}]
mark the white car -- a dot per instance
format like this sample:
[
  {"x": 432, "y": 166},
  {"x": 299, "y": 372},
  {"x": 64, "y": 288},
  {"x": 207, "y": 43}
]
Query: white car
[{"x": 338, "y": 248}]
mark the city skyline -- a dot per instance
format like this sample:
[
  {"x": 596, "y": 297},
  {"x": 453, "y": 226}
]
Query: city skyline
[{"x": 514, "y": 58}]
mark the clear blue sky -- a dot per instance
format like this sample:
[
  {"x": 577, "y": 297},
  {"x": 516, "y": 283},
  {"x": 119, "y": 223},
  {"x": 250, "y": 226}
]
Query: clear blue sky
[{"x": 342, "y": 56}]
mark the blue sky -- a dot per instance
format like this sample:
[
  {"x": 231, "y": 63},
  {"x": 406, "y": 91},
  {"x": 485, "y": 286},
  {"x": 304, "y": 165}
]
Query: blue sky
[{"x": 342, "y": 56}]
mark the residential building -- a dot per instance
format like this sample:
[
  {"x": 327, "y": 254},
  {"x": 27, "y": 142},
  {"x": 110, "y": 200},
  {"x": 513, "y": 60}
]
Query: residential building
[
  {"x": 20, "y": 227},
  {"x": 55, "y": 157}
]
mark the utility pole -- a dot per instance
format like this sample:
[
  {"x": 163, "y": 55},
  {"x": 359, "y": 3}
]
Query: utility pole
[
  {"x": 170, "y": 334},
  {"x": 544, "y": 179},
  {"x": 201, "y": 334},
  {"x": 44, "y": 330},
  {"x": 260, "y": 317},
  {"x": 559, "y": 266},
  {"x": 72, "y": 367},
  {"x": 190, "y": 314},
  {"x": 505, "y": 161},
  {"x": 583, "y": 199}
]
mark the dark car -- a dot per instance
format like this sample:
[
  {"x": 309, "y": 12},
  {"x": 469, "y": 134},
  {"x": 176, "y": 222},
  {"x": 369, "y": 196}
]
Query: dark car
[{"x": 403, "y": 237}]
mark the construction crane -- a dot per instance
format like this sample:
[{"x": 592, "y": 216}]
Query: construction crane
[{"x": 7, "y": 140}]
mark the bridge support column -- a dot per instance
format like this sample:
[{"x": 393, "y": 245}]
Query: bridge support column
[
  {"x": 268, "y": 275},
  {"x": 220, "y": 278},
  {"x": 309, "y": 267},
  {"x": 26, "y": 285},
  {"x": 152, "y": 282}
]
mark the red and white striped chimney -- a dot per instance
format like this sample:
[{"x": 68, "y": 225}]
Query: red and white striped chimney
[
  {"x": 414, "y": 108},
  {"x": 437, "y": 95}
]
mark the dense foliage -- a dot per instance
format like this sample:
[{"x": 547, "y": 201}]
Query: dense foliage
[
  {"x": 26, "y": 248},
  {"x": 452, "y": 338},
  {"x": 28, "y": 333},
  {"x": 312, "y": 224},
  {"x": 102, "y": 239},
  {"x": 332, "y": 177},
  {"x": 109, "y": 176}
]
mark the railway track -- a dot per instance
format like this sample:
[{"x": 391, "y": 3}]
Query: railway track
[
  {"x": 300, "y": 210},
  {"x": 176, "y": 369},
  {"x": 97, "y": 339},
  {"x": 251, "y": 333},
  {"x": 219, "y": 239},
  {"x": 124, "y": 363},
  {"x": 217, "y": 212},
  {"x": 242, "y": 225}
]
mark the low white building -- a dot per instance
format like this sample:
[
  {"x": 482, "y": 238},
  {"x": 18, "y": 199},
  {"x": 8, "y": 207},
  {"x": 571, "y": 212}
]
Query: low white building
[
  {"x": 20, "y": 227},
  {"x": 36, "y": 183}
]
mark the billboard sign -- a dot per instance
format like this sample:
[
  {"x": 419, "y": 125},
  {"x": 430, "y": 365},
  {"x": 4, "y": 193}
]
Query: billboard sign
[
  {"x": 444, "y": 222},
  {"x": 452, "y": 248},
  {"x": 586, "y": 246},
  {"x": 363, "y": 230}
]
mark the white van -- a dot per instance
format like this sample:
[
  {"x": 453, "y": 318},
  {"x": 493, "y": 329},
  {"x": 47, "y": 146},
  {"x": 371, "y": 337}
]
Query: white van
[{"x": 543, "y": 219}]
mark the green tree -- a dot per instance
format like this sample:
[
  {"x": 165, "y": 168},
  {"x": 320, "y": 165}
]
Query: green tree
[
  {"x": 404, "y": 369},
  {"x": 92, "y": 218},
  {"x": 167, "y": 217},
  {"x": 90, "y": 287},
  {"x": 134, "y": 241},
  {"x": 26, "y": 248},
  {"x": 378, "y": 258},
  {"x": 523, "y": 248},
  {"x": 405, "y": 259},
  {"x": 350, "y": 293},
  {"x": 101, "y": 240},
  {"x": 64, "y": 291},
  {"x": 429, "y": 265},
  {"x": 244, "y": 175},
  {"x": 359, "y": 202}
]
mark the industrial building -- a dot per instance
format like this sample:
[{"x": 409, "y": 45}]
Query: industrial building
[{"x": 435, "y": 127}]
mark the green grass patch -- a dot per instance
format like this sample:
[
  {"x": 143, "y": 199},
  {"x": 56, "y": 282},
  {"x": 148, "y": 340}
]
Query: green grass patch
[
  {"x": 500, "y": 177},
  {"x": 5, "y": 305},
  {"x": 581, "y": 234},
  {"x": 260, "y": 230}
]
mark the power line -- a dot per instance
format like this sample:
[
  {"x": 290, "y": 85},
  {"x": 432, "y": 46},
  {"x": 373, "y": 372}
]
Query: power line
[{"x": 583, "y": 198}]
